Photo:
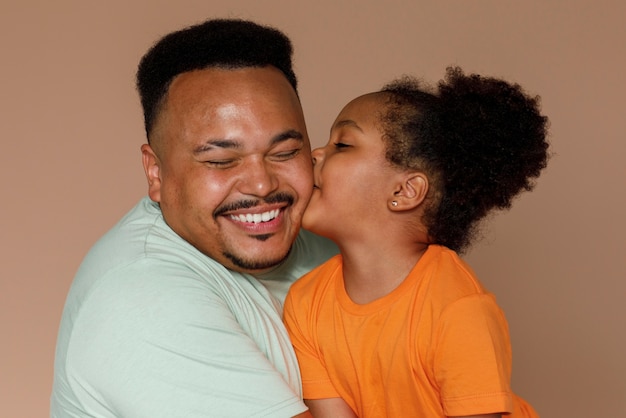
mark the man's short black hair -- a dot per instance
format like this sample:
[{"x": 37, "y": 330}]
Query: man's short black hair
[{"x": 217, "y": 43}]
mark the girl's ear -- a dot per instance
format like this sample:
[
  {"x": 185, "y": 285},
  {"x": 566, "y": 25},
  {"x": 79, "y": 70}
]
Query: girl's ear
[
  {"x": 409, "y": 192},
  {"x": 152, "y": 169}
]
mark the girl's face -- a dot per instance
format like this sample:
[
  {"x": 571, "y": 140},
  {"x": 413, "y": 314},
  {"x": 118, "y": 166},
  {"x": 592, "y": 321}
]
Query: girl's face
[{"x": 353, "y": 182}]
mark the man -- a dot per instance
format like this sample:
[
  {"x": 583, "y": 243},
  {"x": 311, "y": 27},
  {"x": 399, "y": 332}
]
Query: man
[{"x": 171, "y": 314}]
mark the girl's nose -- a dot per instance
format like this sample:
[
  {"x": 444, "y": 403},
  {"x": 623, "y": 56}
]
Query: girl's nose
[{"x": 317, "y": 155}]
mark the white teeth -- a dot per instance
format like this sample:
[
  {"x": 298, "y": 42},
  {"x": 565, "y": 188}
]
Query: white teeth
[{"x": 257, "y": 217}]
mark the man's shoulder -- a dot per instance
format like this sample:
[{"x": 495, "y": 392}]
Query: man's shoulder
[
  {"x": 142, "y": 237},
  {"x": 313, "y": 248},
  {"x": 123, "y": 243},
  {"x": 140, "y": 247}
]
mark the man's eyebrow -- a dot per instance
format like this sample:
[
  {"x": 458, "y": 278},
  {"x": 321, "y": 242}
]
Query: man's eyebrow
[
  {"x": 216, "y": 143},
  {"x": 346, "y": 122},
  {"x": 287, "y": 135},
  {"x": 232, "y": 144}
]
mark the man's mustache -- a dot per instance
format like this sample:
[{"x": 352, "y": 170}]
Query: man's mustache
[{"x": 278, "y": 197}]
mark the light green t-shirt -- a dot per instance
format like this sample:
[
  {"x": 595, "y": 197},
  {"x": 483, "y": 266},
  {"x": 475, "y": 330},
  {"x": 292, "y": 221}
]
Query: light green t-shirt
[{"x": 153, "y": 328}]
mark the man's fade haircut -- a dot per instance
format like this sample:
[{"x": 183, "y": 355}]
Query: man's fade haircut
[{"x": 216, "y": 43}]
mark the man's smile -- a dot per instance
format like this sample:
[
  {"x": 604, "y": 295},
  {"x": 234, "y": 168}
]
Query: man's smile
[{"x": 256, "y": 217}]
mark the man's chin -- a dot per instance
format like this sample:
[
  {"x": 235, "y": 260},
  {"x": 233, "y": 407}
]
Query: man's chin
[{"x": 254, "y": 265}]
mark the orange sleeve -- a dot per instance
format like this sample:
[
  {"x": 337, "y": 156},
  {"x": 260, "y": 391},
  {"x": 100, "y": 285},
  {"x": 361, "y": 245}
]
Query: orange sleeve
[{"x": 473, "y": 358}]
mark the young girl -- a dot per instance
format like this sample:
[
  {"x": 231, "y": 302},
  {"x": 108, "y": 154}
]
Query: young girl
[{"x": 398, "y": 325}]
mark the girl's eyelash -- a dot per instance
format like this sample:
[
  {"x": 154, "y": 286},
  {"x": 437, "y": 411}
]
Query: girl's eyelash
[{"x": 340, "y": 145}]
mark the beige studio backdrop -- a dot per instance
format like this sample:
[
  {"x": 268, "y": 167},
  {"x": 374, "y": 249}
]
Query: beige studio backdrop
[{"x": 70, "y": 163}]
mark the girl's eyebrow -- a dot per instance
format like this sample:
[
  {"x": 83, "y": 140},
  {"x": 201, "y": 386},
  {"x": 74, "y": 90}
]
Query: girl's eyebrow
[
  {"x": 233, "y": 144},
  {"x": 346, "y": 122}
]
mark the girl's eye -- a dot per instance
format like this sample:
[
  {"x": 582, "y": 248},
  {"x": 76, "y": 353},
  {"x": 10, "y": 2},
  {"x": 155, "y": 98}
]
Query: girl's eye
[{"x": 339, "y": 145}]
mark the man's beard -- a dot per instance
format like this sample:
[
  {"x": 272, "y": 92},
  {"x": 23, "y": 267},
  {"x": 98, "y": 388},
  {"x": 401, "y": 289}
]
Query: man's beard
[{"x": 251, "y": 265}]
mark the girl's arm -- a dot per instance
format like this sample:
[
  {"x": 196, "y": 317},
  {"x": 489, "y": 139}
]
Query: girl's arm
[{"x": 329, "y": 408}]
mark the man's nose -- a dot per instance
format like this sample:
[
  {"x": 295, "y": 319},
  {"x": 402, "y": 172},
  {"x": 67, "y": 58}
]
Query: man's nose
[{"x": 258, "y": 178}]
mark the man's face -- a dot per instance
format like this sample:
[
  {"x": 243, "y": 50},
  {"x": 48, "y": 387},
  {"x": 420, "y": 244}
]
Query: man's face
[{"x": 230, "y": 164}]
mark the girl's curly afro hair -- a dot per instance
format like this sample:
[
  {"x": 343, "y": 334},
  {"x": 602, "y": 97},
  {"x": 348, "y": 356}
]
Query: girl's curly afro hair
[{"x": 481, "y": 141}]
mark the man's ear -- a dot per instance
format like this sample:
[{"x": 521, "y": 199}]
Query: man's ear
[
  {"x": 410, "y": 191},
  {"x": 152, "y": 169}
]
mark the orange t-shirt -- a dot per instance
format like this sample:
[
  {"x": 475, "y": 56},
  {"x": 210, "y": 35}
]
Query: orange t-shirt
[{"x": 437, "y": 346}]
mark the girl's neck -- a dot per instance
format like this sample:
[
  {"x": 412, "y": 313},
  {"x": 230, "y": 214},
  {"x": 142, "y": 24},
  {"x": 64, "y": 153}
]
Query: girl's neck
[{"x": 371, "y": 273}]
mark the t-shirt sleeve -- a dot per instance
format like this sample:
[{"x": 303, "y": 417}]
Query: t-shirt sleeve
[
  {"x": 473, "y": 357},
  {"x": 316, "y": 383},
  {"x": 168, "y": 346}
]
